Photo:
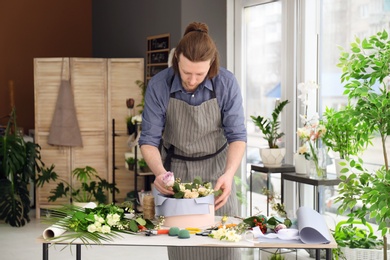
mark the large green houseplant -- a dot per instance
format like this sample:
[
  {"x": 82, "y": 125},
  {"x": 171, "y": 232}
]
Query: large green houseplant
[
  {"x": 345, "y": 134},
  {"x": 366, "y": 70},
  {"x": 90, "y": 186},
  {"x": 19, "y": 161},
  {"x": 270, "y": 127}
]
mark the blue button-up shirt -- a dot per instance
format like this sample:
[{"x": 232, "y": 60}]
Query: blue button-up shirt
[{"x": 157, "y": 97}]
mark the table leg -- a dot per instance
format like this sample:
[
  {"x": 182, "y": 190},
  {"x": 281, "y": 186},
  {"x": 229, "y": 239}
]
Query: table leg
[
  {"x": 315, "y": 199},
  {"x": 78, "y": 252},
  {"x": 282, "y": 189},
  {"x": 318, "y": 254},
  {"x": 268, "y": 191},
  {"x": 45, "y": 251},
  {"x": 250, "y": 193},
  {"x": 329, "y": 254}
]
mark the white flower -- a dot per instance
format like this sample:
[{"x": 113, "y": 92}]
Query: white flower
[
  {"x": 303, "y": 149},
  {"x": 92, "y": 228},
  {"x": 137, "y": 118},
  {"x": 116, "y": 217},
  {"x": 113, "y": 219},
  {"x": 227, "y": 234},
  {"x": 106, "y": 229},
  {"x": 306, "y": 88},
  {"x": 99, "y": 218},
  {"x": 98, "y": 224},
  {"x": 190, "y": 194},
  {"x": 203, "y": 191}
]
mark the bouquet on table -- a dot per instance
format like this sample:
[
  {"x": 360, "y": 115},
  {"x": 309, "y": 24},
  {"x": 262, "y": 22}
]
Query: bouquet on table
[{"x": 97, "y": 224}]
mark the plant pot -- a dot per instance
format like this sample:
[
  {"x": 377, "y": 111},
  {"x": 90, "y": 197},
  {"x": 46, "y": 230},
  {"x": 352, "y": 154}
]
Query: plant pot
[
  {"x": 130, "y": 166},
  {"x": 130, "y": 129},
  {"x": 300, "y": 163},
  {"x": 145, "y": 169},
  {"x": 272, "y": 157}
]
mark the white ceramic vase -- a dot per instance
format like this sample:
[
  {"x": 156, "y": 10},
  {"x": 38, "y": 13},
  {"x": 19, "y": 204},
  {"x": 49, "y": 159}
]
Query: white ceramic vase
[
  {"x": 300, "y": 163},
  {"x": 272, "y": 157}
]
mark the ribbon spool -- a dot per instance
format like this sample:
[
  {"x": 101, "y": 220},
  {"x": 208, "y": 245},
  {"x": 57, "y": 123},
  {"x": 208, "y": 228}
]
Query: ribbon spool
[{"x": 148, "y": 207}]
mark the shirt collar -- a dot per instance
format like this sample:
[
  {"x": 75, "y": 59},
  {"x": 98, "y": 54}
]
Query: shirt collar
[{"x": 176, "y": 85}]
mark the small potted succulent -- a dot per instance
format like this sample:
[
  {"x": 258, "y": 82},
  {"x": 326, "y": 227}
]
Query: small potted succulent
[
  {"x": 270, "y": 127},
  {"x": 143, "y": 166},
  {"x": 130, "y": 162}
]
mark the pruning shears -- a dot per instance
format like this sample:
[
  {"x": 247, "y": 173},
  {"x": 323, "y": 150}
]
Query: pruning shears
[{"x": 151, "y": 232}]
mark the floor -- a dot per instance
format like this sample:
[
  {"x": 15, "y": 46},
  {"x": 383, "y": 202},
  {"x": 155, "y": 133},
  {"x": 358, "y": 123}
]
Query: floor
[{"x": 20, "y": 244}]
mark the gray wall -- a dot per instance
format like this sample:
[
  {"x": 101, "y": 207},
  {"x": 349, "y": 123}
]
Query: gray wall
[
  {"x": 211, "y": 12},
  {"x": 120, "y": 27}
]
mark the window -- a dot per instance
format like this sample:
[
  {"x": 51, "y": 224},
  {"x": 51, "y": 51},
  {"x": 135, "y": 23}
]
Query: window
[{"x": 341, "y": 22}]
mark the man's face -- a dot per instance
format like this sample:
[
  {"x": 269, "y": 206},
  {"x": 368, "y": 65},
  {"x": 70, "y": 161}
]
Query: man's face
[{"x": 192, "y": 73}]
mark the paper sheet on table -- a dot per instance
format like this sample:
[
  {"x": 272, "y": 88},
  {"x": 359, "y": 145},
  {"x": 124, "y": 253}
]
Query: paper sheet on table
[
  {"x": 312, "y": 227},
  {"x": 56, "y": 230}
]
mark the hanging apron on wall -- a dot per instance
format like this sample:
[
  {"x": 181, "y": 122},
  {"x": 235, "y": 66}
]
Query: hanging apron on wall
[
  {"x": 64, "y": 128},
  {"x": 194, "y": 144}
]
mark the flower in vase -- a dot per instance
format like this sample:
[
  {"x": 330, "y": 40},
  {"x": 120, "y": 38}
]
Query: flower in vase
[
  {"x": 311, "y": 134},
  {"x": 303, "y": 150}
]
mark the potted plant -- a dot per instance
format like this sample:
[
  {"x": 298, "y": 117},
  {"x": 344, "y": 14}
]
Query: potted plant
[
  {"x": 19, "y": 160},
  {"x": 364, "y": 67},
  {"x": 143, "y": 166},
  {"x": 354, "y": 238},
  {"x": 91, "y": 186},
  {"x": 345, "y": 134},
  {"x": 131, "y": 122},
  {"x": 270, "y": 127},
  {"x": 130, "y": 161}
]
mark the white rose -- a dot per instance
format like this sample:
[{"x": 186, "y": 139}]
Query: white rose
[
  {"x": 91, "y": 228},
  {"x": 106, "y": 229}
]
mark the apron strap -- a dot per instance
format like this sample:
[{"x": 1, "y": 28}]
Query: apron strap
[{"x": 171, "y": 154}]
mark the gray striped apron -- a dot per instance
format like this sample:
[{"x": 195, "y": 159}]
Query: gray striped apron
[{"x": 196, "y": 134}]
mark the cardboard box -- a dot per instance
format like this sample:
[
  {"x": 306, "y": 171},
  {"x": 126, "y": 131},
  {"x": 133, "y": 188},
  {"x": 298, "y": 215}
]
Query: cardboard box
[{"x": 184, "y": 213}]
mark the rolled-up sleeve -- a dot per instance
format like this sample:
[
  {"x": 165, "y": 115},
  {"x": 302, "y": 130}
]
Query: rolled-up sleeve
[
  {"x": 230, "y": 100},
  {"x": 154, "y": 113}
]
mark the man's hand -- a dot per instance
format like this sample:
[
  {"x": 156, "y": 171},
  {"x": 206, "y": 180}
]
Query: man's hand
[
  {"x": 224, "y": 183},
  {"x": 161, "y": 186}
]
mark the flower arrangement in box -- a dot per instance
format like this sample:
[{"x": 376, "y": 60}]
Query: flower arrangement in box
[
  {"x": 101, "y": 223},
  {"x": 192, "y": 190},
  {"x": 192, "y": 203}
]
